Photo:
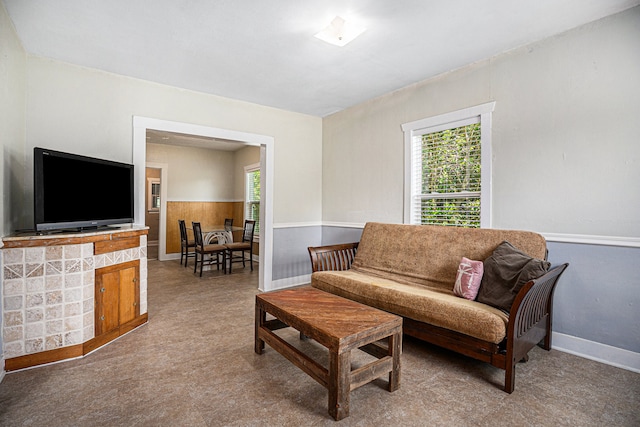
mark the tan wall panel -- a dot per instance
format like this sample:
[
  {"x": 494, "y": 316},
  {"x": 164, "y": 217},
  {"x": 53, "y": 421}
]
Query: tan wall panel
[{"x": 207, "y": 213}]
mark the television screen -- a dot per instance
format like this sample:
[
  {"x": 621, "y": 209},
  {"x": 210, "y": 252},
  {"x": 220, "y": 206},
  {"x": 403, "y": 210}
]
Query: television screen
[{"x": 79, "y": 192}]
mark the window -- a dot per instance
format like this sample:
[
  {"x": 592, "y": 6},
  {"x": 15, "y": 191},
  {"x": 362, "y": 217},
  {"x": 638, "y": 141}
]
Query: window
[
  {"x": 252, "y": 194},
  {"x": 448, "y": 168},
  {"x": 153, "y": 195}
]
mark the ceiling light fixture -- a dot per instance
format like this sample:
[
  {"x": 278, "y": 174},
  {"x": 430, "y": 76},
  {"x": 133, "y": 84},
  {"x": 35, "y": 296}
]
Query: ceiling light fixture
[{"x": 340, "y": 32}]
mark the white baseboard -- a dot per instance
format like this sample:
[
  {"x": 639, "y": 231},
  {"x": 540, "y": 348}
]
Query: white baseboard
[
  {"x": 290, "y": 282},
  {"x": 592, "y": 350}
]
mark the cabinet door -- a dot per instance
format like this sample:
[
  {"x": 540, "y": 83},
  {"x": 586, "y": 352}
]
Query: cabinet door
[
  {"x": 107, "y": 295},
  {"x": 129, "y": 294},
  {"x": 117, "y": 296}
]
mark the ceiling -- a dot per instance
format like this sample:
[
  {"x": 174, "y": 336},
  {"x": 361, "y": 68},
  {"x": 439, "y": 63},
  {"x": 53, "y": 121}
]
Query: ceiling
[{"x": 265, "y": 52}]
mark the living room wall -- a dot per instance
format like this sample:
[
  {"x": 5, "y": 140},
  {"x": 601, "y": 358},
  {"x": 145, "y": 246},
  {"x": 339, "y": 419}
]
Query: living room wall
[
  {"x": 564, "y": 144},
  {"x": 12, "y": 122},
  {"x": 12, "y": 132},
  {"x": 565, "y": 163},
  {"x": 71, "y": 108}
]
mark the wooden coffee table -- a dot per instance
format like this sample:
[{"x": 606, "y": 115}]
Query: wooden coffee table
[{"x": 340, "y": 325}]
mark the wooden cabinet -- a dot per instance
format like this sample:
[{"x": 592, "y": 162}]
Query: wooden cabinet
[
  {"x": 117, "y": 298},
  {"x": 119, "y": 292}
]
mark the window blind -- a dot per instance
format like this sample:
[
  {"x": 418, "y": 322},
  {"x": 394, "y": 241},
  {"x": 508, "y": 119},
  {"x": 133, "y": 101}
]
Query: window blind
[{"x": 446, "y": 175}]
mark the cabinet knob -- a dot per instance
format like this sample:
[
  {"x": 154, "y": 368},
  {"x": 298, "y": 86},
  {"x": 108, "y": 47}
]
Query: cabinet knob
[
  {"x": 101, "y": 317},
  {"x": 135, "y": 279},
  {"x": 102, "y": 289}
]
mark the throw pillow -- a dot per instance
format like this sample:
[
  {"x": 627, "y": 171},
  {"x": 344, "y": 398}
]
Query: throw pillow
[
  {"x": 468, "y": 279},
  {"x": 505, "y": 272}
]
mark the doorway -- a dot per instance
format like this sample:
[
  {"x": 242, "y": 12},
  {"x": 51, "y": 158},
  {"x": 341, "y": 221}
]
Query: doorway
[
  {"x": 152, "y": 212},
  {"x": 266, "y": 144}
]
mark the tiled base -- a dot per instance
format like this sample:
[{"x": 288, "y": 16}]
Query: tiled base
[{"x": 48, "y": 293}]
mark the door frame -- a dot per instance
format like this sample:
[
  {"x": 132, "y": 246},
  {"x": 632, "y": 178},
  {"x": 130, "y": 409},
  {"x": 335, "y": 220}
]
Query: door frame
[{"x": 266, "y": 144}]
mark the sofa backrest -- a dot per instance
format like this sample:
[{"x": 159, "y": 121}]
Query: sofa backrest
[{"x": 429, "y": 255}]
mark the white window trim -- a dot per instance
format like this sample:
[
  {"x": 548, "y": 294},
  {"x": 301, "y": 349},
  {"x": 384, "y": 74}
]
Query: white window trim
[
  {"x": 445, "y": 121},
  {"x": 247, "y": 169}
]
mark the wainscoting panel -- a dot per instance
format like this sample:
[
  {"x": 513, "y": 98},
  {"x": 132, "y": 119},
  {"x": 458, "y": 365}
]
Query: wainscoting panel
[
  {"x": 290, "y": 254},
  {"x": 207, "y": 213},
  {"x": 598, "y": 296},
  {"x": 333, "y": 235}
]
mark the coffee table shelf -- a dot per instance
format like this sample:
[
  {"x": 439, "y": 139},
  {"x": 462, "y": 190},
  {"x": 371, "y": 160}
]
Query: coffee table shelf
[{"x": 340, "y": 325}]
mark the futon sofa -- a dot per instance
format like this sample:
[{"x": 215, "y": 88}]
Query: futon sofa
[{"x": 412, "y": 270}]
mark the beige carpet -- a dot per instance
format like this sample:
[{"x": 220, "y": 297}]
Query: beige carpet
[{"x": 193, "y": 364}]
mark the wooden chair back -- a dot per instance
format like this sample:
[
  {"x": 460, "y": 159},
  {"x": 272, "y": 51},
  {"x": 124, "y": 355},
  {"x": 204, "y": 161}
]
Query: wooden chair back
[
  {"x": 197, "y": 234},
  {"x": 249, "y": 230},
  {"x": 183, "y": 231}
]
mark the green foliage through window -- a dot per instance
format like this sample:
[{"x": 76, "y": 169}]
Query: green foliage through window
[
  {"x": 253, "y": 198},
  {"x": 451, "y": 177}
]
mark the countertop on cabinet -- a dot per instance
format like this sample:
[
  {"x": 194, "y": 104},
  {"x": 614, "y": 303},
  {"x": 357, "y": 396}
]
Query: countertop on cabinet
[{"x": 64, "y": 237}]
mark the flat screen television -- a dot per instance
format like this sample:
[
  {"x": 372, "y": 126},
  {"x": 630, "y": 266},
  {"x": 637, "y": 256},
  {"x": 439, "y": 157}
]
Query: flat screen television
[{"x": 74, "y": 192}]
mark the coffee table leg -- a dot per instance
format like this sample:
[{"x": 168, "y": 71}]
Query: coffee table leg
[
  {"x": 395, "y": 348},
  {"x": 339, "y": 384},
  {"x": 261, "y": 317}
]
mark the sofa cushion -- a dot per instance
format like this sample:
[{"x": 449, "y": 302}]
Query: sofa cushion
[
  {"x": 468, "y": 278},
  {"x": 429, "y": 255},
  {"x": 505, "y": 272},
  {"x": 431, "y": 305}
]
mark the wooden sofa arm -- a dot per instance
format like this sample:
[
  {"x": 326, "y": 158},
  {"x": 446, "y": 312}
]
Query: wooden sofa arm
[
  {"x": 530, "y": 320},
  {"x": 333, "y": 257}
]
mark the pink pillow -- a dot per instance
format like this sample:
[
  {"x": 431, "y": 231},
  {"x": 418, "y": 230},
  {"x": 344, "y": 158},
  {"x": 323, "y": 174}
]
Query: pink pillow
[{"x": 468, "y": 278}]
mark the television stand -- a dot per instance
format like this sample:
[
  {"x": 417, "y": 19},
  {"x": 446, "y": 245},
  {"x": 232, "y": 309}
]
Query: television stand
[
  {"x": 107, "y": 273},
  {"x": 79, "y": 230}
]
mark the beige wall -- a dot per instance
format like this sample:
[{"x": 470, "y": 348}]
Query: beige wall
[
  {"x": 82, "y": 110},
  {"x": 566, "y": 157},
  {"x": 243, "y": 157},
  {"x": 195, "y": 174},
  {"x": 12, "y": 130},
  {"x": 198, "y": 174}
]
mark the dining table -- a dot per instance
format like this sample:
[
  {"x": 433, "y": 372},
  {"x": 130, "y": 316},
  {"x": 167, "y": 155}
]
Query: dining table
[{"x": 222, "y": 233}]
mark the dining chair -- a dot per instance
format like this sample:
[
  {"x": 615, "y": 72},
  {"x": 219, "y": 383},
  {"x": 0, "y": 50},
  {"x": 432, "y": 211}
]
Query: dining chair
[
  {"x": 214, "y": 251},
  {"x": 228, "y": 222},
  {"x": 185, "y": 243},
  {"x": 245, "y": 245}
]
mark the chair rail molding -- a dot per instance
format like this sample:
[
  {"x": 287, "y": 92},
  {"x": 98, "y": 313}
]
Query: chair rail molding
[
  {"x": 586, "y": 239},
  {"x": 631, "y": 242}
]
